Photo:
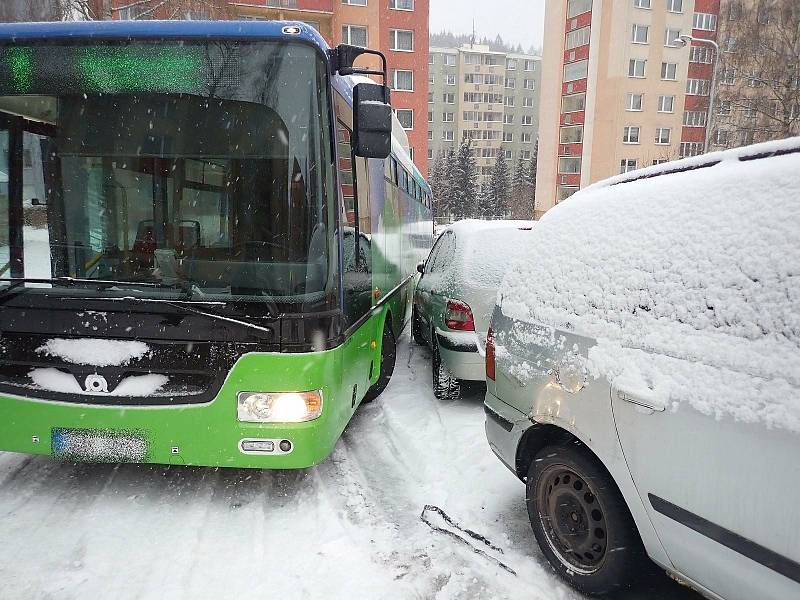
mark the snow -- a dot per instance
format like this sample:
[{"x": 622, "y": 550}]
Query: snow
[
  {"x": 94, "y": 352},
  {"x": 689, "y": 283},
  {"x": 347, "y": 528},
  {"x": 53, "y": 380}
]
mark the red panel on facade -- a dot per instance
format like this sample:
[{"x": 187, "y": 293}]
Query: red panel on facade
[
  {"x": 696, "y": 103},
  {"x": 573, "y": 118},
  {"x": 571, "y": 179},
  {"x": 570, "y": 149},
  {"x": 577, "y": 86},
  {"x": 703, "y": 34},
  {"x": 700, "y": 71},
  {"x": 693, "y": 134},
  {"x": 583, "y": 20},
  {"x": 707, "y": 6},
  {"x": 579, "y": 53}
]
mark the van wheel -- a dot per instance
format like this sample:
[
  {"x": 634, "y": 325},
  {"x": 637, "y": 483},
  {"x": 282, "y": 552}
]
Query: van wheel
[
  {"x": 445, "y": 386},
  {"x": 582, "y": 523},
  {"x": 416, "y": 327},
  {"x": 388, "y": 359}
]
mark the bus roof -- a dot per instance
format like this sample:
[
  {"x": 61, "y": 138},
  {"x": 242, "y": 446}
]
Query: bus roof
[{"x": 36, "y": 32}]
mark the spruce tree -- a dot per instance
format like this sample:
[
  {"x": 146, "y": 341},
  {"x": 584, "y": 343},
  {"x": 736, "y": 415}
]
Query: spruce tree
[
  {"x": 498, "y": 197},
  {"x": 464, "y": 181}
]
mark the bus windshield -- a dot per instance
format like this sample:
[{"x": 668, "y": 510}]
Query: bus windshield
[{"x": 165, "y": 168}]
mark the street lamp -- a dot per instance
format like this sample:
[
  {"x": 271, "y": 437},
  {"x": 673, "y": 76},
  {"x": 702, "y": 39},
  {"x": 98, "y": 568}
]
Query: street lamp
[{"x": 683, "y": 41}]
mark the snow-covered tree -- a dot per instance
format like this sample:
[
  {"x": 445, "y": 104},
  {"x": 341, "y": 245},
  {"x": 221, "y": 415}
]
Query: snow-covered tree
[
  {"x": 464, "y": 181},
  {"x": 497, "y": 195}
]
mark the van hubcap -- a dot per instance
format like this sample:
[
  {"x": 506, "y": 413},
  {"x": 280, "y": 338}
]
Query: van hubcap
[{"x": 573, "y": 519}]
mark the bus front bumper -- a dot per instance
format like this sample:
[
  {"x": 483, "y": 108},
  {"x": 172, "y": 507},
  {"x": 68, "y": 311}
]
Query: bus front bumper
[{"x": 190, "y": 434}]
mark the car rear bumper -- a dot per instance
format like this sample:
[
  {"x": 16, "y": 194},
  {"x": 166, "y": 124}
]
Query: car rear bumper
[
  {"x": 504, "y": 426},
  {"x": 459, "y": 352}
]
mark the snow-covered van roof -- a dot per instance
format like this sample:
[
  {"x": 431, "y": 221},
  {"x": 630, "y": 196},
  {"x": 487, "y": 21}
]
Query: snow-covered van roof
[{"x": 686, "y": 274}]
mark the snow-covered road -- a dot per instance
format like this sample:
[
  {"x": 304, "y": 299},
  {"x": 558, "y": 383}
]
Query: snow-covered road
[{"x": 348, "y": 528}]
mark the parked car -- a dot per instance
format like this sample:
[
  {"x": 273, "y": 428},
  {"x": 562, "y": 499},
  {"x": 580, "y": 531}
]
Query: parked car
[
  {"x": 456, "y": 293},
  {"x": 643, "y": 376}
]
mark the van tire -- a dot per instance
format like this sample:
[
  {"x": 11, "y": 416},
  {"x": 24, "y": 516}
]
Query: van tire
[
  {"x": 568, "y": 487},
  {"x": 388, "y": 360},
  {"x": 445, "y": 385}
]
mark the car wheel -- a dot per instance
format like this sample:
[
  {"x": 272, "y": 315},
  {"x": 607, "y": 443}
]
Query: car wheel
[
  {"x": 416, "y": 327},
  {"x": 445, "y": 386},
  {"x": 388, "y": 359},
  {"x": 581, "y": 521}
]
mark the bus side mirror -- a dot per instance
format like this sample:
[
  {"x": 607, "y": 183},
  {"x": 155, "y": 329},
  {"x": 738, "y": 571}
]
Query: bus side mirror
[
  {"x": 421, "y": 268},
  {"x": 372, "y": 121}
]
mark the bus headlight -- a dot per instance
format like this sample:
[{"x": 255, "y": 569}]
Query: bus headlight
[{"x": 283, "y": 407}]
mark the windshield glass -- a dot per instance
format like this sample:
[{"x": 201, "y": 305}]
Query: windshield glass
[{"x": 199, "y": 169}]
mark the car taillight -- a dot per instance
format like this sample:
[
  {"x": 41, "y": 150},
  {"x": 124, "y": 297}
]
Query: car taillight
[
  {"x": 458, "y": 316},
  {"x": 490, "y": 367}
]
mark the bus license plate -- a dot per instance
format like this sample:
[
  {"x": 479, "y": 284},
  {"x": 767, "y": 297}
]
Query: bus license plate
[{"x": 98, "y": 445}]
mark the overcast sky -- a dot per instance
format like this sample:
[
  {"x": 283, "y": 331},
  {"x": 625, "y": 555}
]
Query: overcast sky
[{"x": 517, "y": 21}]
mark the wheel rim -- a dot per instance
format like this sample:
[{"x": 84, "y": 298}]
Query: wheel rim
[{"x": 573, "y": 519}]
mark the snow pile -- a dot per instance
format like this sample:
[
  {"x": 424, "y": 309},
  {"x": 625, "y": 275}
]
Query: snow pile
[
  {"x": 690, "y": 283},
  {"x": 53, "y": 380},
  {"x": 95, "y": 352}
]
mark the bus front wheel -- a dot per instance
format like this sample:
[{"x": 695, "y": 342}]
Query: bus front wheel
[{"x": 388, "y": 359}]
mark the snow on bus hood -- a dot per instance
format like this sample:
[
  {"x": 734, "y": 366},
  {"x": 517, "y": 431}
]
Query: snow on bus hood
[
  {"x": 94, "y": 352},
  {"x": 689, "y": 283}
]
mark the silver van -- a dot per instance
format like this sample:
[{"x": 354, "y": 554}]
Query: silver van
[{"x": 643, "y": 376}]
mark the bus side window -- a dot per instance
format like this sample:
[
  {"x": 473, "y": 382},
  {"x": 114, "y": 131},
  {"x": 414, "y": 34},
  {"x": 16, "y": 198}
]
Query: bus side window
[{"x": 356, "y": 235}]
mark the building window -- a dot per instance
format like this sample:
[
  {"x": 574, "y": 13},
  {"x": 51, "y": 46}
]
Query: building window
[
  {"x": 691, "y": 149},
  {"x": 401, "y": 4},
  {"x": 671, "y": 37},
  {"x": 403, "y": 80},
  {"x": 508, "y": 136},
  {"x": 579, "y": 37},
  {"x": 721, "y": 137},
  {"x": 449, "y": 98},
  {"x": 431, "y": 78},
  {"x": 570, "y": 165},
  {"x": 511, "y": 83},
  {"x": 573, "y": 103},
  {"x": 576, "y": 70},
  {"x": 727, "y": 76},
  {"x": 627, "y": 164},
  {"x": 431, "y": 59},
  {"x": 663, "y": 135},
  {"x": 529, "y": 84},
  {"x": 641, "y": 3},
  {"x": 450, "y": 60},
  {"x": 472, "y": 59},
  {"x": 527, "y": 120},
  {"x": 355, "y": 35},
  {"x": 430, "y": 150},
  {"x": 508, "y": 154},
  {"x": 401, "y": 40},
  {"x": 527, "y": 102},
  {"x": 511, "y": 64},
  {"x": 675, "y": 6},
  {"x": 530, "y": 65},
  {"x": 451, "y": 80},
  {"x": 704, "y": 21},
  {"x": 578, "y": 7},
  {"x": 748, "y": 137},
  {"x": 633, "y": 102},
  {"x": 640, "y": 34},
  {"x": 430, "y": 97},
  {"x": 406, "y": 118},
  {"x": 669, "y": 71},
  {"x": 694, "y": 118},
  {"x": 508, "y": 101},
  {"x": 447, "y": 136},
  {"x": 697, "y": 87},
  {"x": 666, "y": 104},
  {"x": 448, "y": 117},
  {"x": 430, "y": 116},
  {"x": 725, "y": 108},
  {"x": 508, "y": 119},
  {"x": 700, "y": 54},
  {"x": 630, "y": 135},
  {"x": 637, "y": 67},
  {"x": 527, "y": 138},
  {"x": 571, "y": 135},
  {"x": 355, "y": 2}
]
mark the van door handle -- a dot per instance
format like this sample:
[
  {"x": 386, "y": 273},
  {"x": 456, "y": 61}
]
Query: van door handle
[{"x": 640, "y": 398}]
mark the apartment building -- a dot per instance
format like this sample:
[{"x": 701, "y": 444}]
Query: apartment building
[
  {"x": 398, "y": 28},
  {"x": 489, "y": 97},
  {"x": 620, "y": 90}
]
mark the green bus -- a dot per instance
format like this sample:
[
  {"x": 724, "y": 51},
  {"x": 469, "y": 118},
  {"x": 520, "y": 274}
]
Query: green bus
[{"x": 209, "y": 233}]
